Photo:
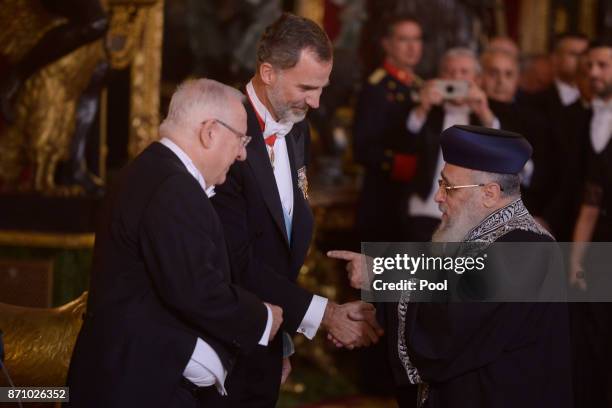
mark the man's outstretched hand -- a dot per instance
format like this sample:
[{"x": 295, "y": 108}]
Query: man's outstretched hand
[
  {"x": 356, "y": 267},
  {"x": 352, "y": 324}
]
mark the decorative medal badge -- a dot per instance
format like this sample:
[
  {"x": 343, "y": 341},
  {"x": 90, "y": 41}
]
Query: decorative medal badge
[{"x": 303, "y": 181}]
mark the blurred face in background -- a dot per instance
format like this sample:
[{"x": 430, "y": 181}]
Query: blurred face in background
[
  {"x": 600, "y": 71},
  {"x": 505, "y": 44},
  {"x": 500, "y": 75},
  {"x": 582, "y": 78},
  {"x": 459, "y": 67},
  {"x": 404, "y": 45},
  {"x": 565, "y": 58},
  {"x": 537, "y": 74}
]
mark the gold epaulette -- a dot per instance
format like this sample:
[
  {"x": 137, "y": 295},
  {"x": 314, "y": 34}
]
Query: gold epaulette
[{"x": 377, "y": 76}]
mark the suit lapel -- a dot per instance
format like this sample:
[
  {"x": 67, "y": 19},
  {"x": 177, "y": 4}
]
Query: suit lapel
[
  {"x": 259, "y": 161},
  {"x": 302, "y": 225},
  {"x": 299, "y": 203}
]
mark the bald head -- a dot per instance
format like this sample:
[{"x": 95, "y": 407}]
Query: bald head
[
  {"x": 504, "y": 44},
  {"x": 500, "y": 75}
]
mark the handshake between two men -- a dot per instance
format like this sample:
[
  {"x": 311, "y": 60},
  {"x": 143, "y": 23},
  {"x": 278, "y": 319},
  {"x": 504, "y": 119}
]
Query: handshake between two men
[
  {"x": 358, "y": 277},
  {"x": 350, "y": 325},
  {"x": 355, "y": 323}
]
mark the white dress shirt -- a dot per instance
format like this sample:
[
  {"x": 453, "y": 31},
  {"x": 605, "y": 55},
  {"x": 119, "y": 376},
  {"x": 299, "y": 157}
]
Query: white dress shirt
[
  {"x": 601, "y": 124},
  {"x": 567, "y": 93},
  {"x": 284, "y": 183},
  {"x": 453, "y": 115},
  {"x": 204, "y": 367}
]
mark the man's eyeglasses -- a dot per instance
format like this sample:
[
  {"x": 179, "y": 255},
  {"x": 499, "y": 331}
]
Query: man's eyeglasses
[
  {"x": 244, "y": 139},
  {"x": 448, "y": 188}
]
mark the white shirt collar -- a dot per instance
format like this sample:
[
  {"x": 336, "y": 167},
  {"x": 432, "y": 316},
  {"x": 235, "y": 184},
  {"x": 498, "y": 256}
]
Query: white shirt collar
[
  {"x": 600, "y": 105},
  {"x": 271, "y": 127},
  {"x": 453, "y": 109},
  {"x": 567, "y": 93},
  {"x": 191, "y": 168},
  {"x": 601, "y": 124}
]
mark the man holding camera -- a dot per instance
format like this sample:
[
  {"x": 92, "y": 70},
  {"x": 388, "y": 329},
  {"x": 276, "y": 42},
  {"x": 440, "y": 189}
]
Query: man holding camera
[{"x": 453, "y": 99}]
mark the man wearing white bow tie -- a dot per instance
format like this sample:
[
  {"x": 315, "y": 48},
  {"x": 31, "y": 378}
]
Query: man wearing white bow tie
[{"x": 264, "y": 209}]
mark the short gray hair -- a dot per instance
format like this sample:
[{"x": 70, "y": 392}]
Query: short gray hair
[
  {"x": 510, "y": 184},
  {"x": 459, "y": 52},
  {"x": 195, "y": 101}
]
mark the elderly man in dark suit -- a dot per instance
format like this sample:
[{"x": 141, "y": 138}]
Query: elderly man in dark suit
[
  {"x": 164, "y": 325},
  {"x": 264, "y": 209}
]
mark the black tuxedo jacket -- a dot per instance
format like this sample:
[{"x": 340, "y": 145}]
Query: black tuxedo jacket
[
  {"x": 160, "y": 280},
  {"x": 264, "y": 260},
  {"x": 549, "y": 101},
  {"x": 571, "y": 133},
  {"x": 248, "y": 203},
  {"x": 521, "y": 118}
]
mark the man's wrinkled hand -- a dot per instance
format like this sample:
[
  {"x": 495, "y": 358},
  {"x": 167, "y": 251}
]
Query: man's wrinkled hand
[
  {"x": 478, "y": 103},
  {"x": 277, "y": 320},
  {"x": 352, "y": 324},
  {"x": 429, "y": 96}
]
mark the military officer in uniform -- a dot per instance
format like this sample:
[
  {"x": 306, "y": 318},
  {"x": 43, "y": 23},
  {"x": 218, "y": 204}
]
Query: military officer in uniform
[
  {"x": 383, "y": 147},
  {"x": 381, "y": 141}
]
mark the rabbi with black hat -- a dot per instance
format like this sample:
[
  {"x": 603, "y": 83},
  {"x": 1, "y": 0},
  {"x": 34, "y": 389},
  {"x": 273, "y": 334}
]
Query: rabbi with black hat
[{"x": 486, "y": 354}]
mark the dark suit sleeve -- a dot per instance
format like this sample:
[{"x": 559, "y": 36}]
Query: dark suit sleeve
[
  {"x": 183, "y": 252},
  {"x": 374, "y": 127},
  {"x": 269, "y": 284},
  {"x": 368, "y": 128}
]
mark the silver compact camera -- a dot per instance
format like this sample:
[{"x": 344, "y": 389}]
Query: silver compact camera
[{"x": 451, "y": 88}]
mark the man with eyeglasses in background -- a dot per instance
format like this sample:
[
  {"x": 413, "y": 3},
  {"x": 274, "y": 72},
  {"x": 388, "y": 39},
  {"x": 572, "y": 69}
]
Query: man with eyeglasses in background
[{"x": 164, "y": 325}]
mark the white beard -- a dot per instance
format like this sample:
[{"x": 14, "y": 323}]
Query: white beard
[{"x": 456, "y": 230}]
